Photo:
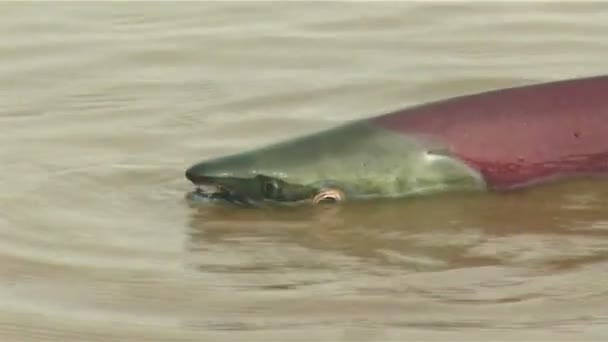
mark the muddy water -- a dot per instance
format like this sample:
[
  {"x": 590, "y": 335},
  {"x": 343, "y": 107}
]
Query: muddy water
[{"x": 104, "y": 105}]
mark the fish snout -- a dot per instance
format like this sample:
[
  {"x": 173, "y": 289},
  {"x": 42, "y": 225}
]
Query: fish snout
[{"x": 195, "y": 174}]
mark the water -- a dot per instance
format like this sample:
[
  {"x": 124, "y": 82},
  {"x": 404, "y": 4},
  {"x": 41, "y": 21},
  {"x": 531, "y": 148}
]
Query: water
[{"x": 103, "y": 106}]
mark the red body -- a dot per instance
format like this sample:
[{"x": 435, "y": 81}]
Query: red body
[{"x": 520, "y": 135}]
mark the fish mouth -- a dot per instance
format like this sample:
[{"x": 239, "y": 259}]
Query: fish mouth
[
  {"x": 212, "y": 192},
  {"x": 260, "y": 190},
  {"x": 209, "y": 189}
]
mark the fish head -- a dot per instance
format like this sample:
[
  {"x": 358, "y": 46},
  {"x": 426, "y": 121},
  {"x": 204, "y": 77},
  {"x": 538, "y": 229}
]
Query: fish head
[{"x": 355, "y": 161}]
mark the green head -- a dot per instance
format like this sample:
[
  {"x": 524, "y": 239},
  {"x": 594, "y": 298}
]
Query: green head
[{"x": 351, "y": 162}]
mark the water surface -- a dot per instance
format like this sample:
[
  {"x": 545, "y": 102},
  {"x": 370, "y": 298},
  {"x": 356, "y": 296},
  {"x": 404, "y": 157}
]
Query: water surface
[{"x": 103, "y": 106}]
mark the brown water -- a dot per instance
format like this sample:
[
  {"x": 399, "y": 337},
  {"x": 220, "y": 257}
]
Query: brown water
[{"x": 104, "y": 105}]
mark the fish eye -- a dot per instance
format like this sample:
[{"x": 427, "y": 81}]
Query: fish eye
[{"x": 270, "y": 187}]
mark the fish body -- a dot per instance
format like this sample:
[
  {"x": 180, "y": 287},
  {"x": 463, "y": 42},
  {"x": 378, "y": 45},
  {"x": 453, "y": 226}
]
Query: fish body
[{"x": 495, "y": 140}]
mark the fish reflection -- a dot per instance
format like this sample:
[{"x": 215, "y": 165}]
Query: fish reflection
[{"x": 560, "y": 225}]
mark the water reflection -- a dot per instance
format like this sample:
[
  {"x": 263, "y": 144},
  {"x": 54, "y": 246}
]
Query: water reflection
[{"x": 560, "y": 225}]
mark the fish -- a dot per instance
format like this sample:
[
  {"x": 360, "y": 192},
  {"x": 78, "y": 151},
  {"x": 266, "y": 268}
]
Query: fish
[{"x": 496, "y": 140}]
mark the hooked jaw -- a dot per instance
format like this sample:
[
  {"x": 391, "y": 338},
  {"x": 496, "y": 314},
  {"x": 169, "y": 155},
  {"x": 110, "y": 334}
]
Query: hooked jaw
[
  {"x": 256, "y": 190},
  {"x": 218, "y": 180}
]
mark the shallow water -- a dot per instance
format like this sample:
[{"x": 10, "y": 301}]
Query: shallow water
[{"x": 104, "y": 105}]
